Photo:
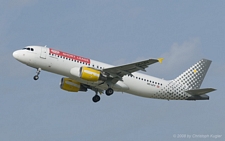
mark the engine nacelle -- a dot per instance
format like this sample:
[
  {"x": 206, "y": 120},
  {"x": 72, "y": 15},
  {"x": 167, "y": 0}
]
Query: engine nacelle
[
  {"x": 87, "y": 73},
  {"x": 71, "y": 85}
]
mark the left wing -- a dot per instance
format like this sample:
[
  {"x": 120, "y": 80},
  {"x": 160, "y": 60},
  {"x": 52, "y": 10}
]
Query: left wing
[{"x": 116, "y": 73}]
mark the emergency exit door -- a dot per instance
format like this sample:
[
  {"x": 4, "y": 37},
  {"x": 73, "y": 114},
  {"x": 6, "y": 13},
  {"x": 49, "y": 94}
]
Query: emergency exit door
[{"x": 43, "y": 52}]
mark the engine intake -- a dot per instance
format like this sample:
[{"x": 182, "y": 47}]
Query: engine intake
[{"x": 87, "y": 73}]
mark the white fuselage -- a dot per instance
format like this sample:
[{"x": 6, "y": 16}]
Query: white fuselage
[{"x": 138, "y": 84}]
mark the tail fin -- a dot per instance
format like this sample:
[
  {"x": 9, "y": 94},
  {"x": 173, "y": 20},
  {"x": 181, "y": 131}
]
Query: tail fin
[{"x": 193, "y": 77}]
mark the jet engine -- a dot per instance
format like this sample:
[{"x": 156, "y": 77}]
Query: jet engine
[
  {"x": 87, "y": 73},
  {"x": 71, "y": 85}
]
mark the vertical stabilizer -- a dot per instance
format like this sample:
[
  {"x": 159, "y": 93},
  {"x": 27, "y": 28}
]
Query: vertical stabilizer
[{"x": 193, "y": 77}]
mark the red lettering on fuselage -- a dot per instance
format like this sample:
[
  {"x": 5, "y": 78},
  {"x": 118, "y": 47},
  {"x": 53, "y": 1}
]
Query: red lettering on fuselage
[{"x": 70, "y": 56}]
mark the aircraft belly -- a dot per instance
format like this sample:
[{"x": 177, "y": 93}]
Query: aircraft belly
[
  {"x": 120, "y": 86},
  {"x": 145, "y": 88},
  {"x": 141, "y": 89}
]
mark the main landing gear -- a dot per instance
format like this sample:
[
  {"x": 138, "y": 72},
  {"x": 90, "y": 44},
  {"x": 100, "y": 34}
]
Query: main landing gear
[
  {"x": 36, "y": 77},
  {"x": 97, "y": 98},
  {"x": 109, "y": 91}
]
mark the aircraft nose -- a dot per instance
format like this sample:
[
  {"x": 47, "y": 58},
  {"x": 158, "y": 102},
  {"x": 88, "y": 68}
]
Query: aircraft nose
[{"x": 15, "y": 54}]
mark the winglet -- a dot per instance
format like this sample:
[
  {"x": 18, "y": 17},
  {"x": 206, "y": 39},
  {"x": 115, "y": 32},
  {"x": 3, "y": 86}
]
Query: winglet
[{"x": 160, "y": 60}]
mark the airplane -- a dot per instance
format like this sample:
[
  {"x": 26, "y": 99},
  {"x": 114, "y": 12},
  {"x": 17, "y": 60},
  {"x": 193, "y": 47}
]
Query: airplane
[{"x": 81, "y": 73}]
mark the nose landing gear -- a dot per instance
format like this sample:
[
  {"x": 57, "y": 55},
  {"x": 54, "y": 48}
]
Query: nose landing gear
[{"x": 36, "y": 77}]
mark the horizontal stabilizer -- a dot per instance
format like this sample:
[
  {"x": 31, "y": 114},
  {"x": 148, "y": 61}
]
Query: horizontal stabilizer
[{"x": 200, "y": 91}]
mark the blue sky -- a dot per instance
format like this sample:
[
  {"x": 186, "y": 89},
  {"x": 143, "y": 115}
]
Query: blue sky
[{"x": 115, "y": 32}]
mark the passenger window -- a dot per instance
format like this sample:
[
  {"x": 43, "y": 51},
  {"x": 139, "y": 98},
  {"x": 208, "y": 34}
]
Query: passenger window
[{"x": 32, "y": 49}]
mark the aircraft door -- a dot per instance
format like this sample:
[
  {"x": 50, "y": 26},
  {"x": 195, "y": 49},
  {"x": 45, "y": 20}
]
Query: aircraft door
[{"x": 43, "y": 52}]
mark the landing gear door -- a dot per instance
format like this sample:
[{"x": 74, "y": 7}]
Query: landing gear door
[{"x": 43, "y": 52}]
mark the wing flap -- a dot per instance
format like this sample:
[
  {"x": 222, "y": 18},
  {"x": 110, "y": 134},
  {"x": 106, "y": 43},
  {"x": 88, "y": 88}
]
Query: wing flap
[{"x": 200, "y": 91}]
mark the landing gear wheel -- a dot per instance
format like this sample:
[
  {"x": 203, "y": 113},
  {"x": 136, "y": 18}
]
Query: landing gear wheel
[
  {"x": 38, "y": 72},
  {"x": 36, "y": 77},
  {"x": 96, "y": 98},
  {"x": 109, "y": 91}
]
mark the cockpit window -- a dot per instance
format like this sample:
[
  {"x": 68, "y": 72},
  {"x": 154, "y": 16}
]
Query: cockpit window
[{"x": 30, "y": 49}]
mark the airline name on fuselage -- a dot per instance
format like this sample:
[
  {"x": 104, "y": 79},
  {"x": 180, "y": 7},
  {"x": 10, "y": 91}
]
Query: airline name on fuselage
[{"x": 71, "y": 56}]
